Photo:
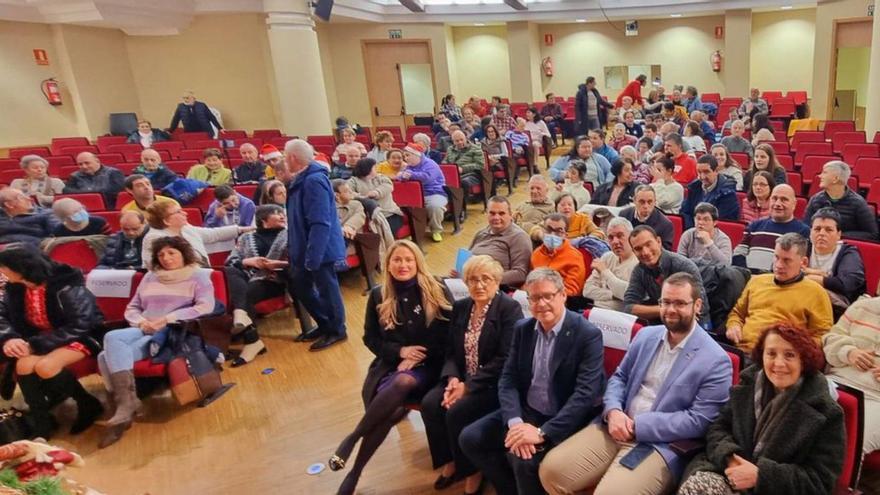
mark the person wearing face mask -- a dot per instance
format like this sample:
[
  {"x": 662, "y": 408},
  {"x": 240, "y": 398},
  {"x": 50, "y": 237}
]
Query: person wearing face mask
[
  {"x": 610, "y": 274},
  {"x": 123, "y": 250},
  {"x": 251, "y": 170},
  {"x": 784, "y": 295},
  {"x": 557, "y": 253},
  {"x": 76, "y": 221}
]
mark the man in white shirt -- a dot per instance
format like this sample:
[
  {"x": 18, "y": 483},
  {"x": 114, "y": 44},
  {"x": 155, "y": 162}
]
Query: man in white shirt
[
  {"x": 610, "y": 277},
  {"x": 669, "y": 387}
]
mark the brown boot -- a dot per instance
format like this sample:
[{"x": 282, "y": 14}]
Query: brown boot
[{"x": 127, "y": 405}]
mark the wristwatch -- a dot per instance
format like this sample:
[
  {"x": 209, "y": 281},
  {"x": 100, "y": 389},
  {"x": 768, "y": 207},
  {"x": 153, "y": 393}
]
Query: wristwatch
[{"x": 541, "y": 433}]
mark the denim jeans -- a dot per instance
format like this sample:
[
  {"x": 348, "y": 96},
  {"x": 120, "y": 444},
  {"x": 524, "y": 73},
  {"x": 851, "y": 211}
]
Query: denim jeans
[{"x": 121, "y": 349}]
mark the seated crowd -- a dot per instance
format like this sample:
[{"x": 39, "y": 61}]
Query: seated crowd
[{"x": 626, "y": 223}]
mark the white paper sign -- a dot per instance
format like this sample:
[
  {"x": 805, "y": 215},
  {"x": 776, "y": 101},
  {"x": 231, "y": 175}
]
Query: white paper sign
[
  {"x": 457, "y": 287},
  {"x": 616, "y": 327},
  {"x": 110, "y": 283},
  {"x": 522, "y": 298}
]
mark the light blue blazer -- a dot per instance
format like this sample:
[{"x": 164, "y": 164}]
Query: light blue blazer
[{"x": 688, "y": 401}]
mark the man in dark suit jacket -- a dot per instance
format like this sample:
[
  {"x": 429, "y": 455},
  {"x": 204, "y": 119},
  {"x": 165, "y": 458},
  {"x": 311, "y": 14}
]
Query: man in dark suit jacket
[
  {"x": 195, "y": 115},
  {"x": 551, "y": 386}
]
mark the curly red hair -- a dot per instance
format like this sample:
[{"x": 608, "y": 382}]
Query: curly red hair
[{"x": 812, "y": 357}]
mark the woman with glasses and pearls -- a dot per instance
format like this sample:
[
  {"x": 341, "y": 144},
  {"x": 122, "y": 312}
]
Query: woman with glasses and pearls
[
  {"x": 406, "y": 325},
  {"x": 480, "y": 332}
]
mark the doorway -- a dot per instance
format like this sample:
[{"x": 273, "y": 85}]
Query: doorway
[
  {"x": 849, "y": 70},
  {"x": 400, "y": 80}
]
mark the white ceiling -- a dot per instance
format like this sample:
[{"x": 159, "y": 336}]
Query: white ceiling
[{"x": 164, "y": 17}]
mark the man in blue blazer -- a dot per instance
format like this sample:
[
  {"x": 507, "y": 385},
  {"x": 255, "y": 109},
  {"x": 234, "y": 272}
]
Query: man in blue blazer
[
  {"x": 196, "y": 116},
  {"x": 669, "y": 387},
  {"x": 550, "y": 387}
]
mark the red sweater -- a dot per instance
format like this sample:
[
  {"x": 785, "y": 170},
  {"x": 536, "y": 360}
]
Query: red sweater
[
  {"x": 685, "y": 169},
  {"x": 633, "y": 90}
]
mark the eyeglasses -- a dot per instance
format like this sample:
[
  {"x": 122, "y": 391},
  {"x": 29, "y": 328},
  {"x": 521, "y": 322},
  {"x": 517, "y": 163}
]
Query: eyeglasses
[
  {"x": 483, "y": 280},
  {"x": 675, "y": 304},
  {"x": 545, "y": 298}
]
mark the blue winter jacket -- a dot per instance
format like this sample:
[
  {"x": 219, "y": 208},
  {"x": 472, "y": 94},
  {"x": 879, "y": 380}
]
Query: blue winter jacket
[
  {"x": 314, "y": 233},
  {"x": 723, "y": 197}
]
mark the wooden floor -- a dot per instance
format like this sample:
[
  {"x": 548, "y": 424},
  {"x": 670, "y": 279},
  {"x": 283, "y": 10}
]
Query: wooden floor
[{"x": 264, "y": 433}]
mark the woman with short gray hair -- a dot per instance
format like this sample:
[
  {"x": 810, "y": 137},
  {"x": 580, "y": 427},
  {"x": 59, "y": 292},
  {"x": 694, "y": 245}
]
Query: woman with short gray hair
[
  {"x": 857, "y": 219},
  {"x": 36, "y": 182}
]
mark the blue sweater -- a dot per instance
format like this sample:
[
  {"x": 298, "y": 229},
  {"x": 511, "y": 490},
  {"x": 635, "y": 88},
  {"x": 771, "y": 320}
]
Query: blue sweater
[
  {"x": 608, "y": 153},
  {"x": 243, "y": 216},
  {"x": 723, "y": 197},
  {"x": 557, "y": 170},
  {"x": 314, "y": 233}
]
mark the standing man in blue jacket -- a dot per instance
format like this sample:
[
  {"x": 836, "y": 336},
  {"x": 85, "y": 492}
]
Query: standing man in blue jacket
[
  {"x": 711, "y": 187},
  {"x": 669, "y": 387},
  {"x": 315, "y": 243},
  {"x": 195, "y": 115}
]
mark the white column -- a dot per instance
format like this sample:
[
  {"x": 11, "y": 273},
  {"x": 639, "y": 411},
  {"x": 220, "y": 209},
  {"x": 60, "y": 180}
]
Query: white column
[
  {"x": 296, "y": 63},
  {"x": 872, "y": 111}
]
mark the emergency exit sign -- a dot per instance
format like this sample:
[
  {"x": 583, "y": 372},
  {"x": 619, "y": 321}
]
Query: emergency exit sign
[{"x": 395, "y": 34}]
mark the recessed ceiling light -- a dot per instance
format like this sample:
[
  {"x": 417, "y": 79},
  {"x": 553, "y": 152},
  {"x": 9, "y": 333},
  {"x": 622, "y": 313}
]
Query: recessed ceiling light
[
  {"x": 580, "y": 20},
  {"x": 479, "y": 24},
  {"x": 674, "y": 15},
  {"x": 786, "y": 7}
]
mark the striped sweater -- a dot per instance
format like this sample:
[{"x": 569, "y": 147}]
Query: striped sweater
[
  {"x": 176, "y": 301},
  {"x": 755, "y": 251}
]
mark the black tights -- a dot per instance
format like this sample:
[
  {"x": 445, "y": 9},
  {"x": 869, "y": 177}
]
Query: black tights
[{"x": 385, "y": 410}]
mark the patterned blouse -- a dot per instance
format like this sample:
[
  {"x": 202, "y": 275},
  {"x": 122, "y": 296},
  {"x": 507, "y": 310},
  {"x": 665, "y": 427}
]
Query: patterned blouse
[
  {"x": 472, "y": 339},
  {"x": 35, "y": 308}
]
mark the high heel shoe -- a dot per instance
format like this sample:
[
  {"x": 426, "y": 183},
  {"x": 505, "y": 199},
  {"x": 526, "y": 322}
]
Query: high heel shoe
[{"x": 336, "y": 463}]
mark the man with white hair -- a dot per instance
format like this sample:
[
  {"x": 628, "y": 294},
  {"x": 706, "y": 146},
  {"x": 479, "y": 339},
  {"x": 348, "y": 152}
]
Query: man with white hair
[
  {"x": 316, "y": 243},
  {"x": 609, "y": 279},
  {"x": 195, "y": 115},
  {"x": 857, "y": 219},
  {"x": 76, "y": 221},
  {"x": 94, "y": 177},
  {"x": 251, "y": 170},
  {"x": 530, "y": 215},
  {"x": 22, "y": 221},
  {"x": 425, "y": 140}
]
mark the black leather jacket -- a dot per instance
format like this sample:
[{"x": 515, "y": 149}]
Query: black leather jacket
[{"x": 71, "y": 309}]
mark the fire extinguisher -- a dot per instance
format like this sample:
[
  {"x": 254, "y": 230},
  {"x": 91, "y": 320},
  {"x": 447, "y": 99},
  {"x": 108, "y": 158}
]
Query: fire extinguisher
[
  {"x": 50, "y": 91},
  {"x": 715, "y": 60},
  {"x": 547, "y": 65}
]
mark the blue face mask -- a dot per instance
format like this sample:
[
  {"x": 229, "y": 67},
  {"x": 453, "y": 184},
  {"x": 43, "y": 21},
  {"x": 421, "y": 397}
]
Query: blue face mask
[
  {"x": 79, "y": 217},
  {"x": 552, "y": 241}
]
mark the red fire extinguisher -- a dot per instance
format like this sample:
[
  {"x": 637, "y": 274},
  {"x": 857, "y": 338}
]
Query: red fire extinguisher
[
  {"x": 50, "y": 91},
  {"x": 547, "y": 65},
  {"x": 716, "y": 61}
]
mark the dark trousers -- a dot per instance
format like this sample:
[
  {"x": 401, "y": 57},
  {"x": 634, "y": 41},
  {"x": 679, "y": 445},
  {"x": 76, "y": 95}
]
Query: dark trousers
[
  {"x": 395, "y": 222},
  {"x": 443, "y": 426},
  {"x": 483, "y": 443},
  {"x": 245, "y": 293},
  {"x": 318, "y": 291}
]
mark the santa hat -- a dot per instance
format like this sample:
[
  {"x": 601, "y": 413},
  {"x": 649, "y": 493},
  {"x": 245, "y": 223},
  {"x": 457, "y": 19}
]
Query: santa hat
[
  {"x": 269, "y": 151},
  {"x": 414, "y": 148}
]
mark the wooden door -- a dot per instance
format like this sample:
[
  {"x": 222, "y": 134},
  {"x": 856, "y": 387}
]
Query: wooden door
[{"x": 382, "y": 61}]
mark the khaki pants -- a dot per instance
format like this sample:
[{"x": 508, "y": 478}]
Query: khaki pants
[{"x": 590, "y": 458}]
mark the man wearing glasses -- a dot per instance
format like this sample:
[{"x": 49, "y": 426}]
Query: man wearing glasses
[
  {"x": 557, "y": 253},
  {"x": 669, "y": 387},
  {"x": 655, "y": 265},
  {"x": 551, "y": 387}
]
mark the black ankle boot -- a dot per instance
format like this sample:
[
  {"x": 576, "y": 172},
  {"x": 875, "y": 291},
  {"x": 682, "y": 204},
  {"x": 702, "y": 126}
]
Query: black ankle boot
[
  {"x": 88, "y": 408},
  {"x": 35, "y": 396}
]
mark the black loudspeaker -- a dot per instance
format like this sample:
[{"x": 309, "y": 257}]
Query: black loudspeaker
[
  {"x": 123, "y": 124},
  {"x": 323, "y": 8}
]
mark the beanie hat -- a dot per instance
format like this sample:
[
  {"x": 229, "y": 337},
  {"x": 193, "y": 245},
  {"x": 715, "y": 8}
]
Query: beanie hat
[
  {"x": 270, "y": 151},
  {"x": 414, "y": 148}
]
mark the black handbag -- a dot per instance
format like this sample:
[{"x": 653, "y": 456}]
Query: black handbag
[{"x": 15, "y": 425}]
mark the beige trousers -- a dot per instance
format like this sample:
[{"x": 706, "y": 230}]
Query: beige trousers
[{"x": 590, "y": 458}]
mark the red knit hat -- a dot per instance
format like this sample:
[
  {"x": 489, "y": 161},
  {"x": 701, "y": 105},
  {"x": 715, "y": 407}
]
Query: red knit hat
[
  {"x": 269, "y": 151},
  {"x": 414, "y": 148}
]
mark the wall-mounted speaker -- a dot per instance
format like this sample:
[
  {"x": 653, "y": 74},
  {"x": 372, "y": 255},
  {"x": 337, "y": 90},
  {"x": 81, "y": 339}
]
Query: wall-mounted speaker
[{"x": 322, "y": 9}]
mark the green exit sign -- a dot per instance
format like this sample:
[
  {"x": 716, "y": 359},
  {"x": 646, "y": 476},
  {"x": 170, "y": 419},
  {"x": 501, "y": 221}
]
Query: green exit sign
[{"x": 395, "y": 34}]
